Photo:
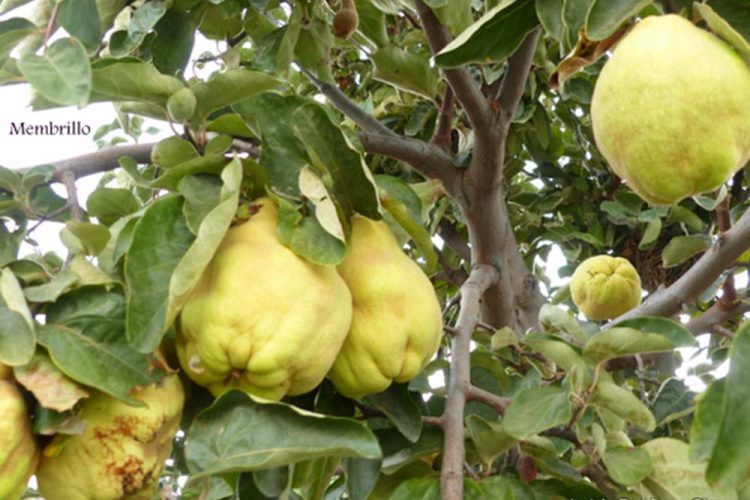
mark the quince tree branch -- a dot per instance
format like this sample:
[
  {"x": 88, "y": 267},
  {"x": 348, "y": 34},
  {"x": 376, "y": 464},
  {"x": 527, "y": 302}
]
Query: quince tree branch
[
  {"x": 721, "y": 256},
  {"x": 467, "y": 92},
  {"x": 451, "y": 480}
]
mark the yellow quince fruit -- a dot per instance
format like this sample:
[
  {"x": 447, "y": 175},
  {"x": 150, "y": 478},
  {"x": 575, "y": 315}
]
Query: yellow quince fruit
[
  {"x": 18, "y": 449},
  {"x": 604, "y": 287},
  {"x": 397, "y": 323},
  {"x": 122, "y": 451},
  {"x": 671, "y": 110},
  {"x": 261, "y": 318}
]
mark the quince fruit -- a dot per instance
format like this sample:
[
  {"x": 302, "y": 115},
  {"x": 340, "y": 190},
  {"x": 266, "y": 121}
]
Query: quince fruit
[
  {"x": 18, "y": 450},
  {"x": 261, "y": 318},
  {"x": 122, "y": 450},
  {"x": 671, "y": 110},
  {"x": 397, "y": 323},
  {"x": 605, "y": 287}
]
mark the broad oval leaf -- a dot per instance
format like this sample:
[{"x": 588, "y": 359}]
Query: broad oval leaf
[
  {"x": 494, "y": 37},
  {"x": 406, "y": 71},
  {"x": 17, "y": 335},
  {"x": 535, "y": 410},
  {"x": 160, "y": 240},
  {"x": 681, "y": 248},
  {"x": 730, "y": 460},
  {"x": 230, "y": 87},
  {"x": 627, "y": 338},
  {"x": 237, "y": 433},
  {"x": 623, "y": 403},
  {"x": 605, "y": 16},
  {"x": 627, "y": 465},
  {"x": 62, "y": 74}
]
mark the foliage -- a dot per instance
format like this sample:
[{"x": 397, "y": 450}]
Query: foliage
[{"x": 365, "y": 124}]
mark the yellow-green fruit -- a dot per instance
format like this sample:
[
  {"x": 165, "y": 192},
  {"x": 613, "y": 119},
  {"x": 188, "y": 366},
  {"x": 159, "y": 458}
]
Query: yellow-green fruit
[
  {"x": 122, "y": 451},
  {"x": 18, "y": 450},
  {"x": 181, "y": 105},
  {"x": 397, "y": 322},
  {"x": 671, "y": 110},
  {"x": 261, "y": 318},
  {"x": 605, "y": 287}
]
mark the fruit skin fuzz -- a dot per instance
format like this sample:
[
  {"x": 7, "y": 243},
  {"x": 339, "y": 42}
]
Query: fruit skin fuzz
[
  {"x": 671, "y": 110},
  {"x": 346, "y": 20}
]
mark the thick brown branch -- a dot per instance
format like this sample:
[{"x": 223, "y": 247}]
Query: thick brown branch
[
  {"x": 721, "y": 256},
  {"x": 467, "y": 92},
  {"x": 451, "y": 481},
  {"x": 428, "y": 159},
  {"x": 716, "y": 315},
  {"x": 103, "y": 160},
  {"x": 728, "y": 298}
]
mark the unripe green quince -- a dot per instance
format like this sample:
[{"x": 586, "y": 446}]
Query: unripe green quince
[
  {"x": 261, "y": 318},
  {"x": 605, "y": 287},
  {"x": 18, "y": 450},
  {"x": 121, "y": 452},
  {"x": 181, "y": 105},
  {"x": 671, "y": 110},
  {"x": 397, "y": 323}
]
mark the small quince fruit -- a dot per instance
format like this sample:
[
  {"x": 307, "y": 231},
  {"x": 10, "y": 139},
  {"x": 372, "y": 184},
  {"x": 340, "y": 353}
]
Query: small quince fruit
[
  {"x": 671, "y": 110},
  {"x": 605, "y": 287},
  {"x": 261, "y": 318},
  {"x": 122, "y": 451},
  {"x": 397, "y": 322},
  {"x": 18, "y": 450}
]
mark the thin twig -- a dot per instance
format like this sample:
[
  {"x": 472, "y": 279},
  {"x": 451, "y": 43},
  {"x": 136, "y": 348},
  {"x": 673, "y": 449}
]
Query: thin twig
[
  {"x": 69, "y": 181},
  {"x": 497, "y": 403},
  {"x": 442, "y": 135},
  {"x": 728, "y": 299}
]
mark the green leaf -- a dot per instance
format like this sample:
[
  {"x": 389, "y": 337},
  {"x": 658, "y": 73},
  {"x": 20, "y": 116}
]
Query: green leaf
[
  {"x": 173, "y": 44},
  {"x": 130, "y": 80},
  {"x": 218, "y": 441},
  {"x": 372, "y": 22},
  {"x": 110, "y": 204},
  {"x": 674, "y": 477},
  {"x": 75, "y": 17},
  {"x": 304, "y": 235},
  {"x": 418, "y": 233},
  {"x": 211, "y": 232},
  {"x": 494, "y": 37},
  {"x": 681, "y": 248},
  {"x": 8, "y": 5},
  {"x": 727, "y": 18},
  {"x": 282, "y": 154},
  {"x": 406, "y": 71},
  {"x": 490, "y": 438},
  {"x": 555, "y": 320},
  {"x": 651, "y": 234},
  {"x": 230, "y": 87},
  {"x": 17, "y": 335},
  {"x": 397, "y": 404},
  {"x": 62, "y": 74},
  {"x": 628, "y": 338},
  {"x": 314, "y": 45},
  {"x": 549, "y": 13},
  {"x": 622, "y": 403},
  {"x": 555, "y": 350},
  {"x": 686, "y": 216},
  {"x": 361, "y": 476},
  {"x": 535, "y": 410},
  {"x": 92, "y": 238},
  {"x": 707, "y": 421},
  {"x": 12, "y": 31},
  {"x": 673, "y": 400},
  {"x": 142, "y": 20},
  {"x": 160, "y": 240},
  {"x": 730, "y": 460},
  {"x": 85, "y": 336},
  {"x": 627, "y": 465},
  {"x": 605, "y": 16},
  {"x": 49, "y": 292},
  {"x": 330, "y": 153}
]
